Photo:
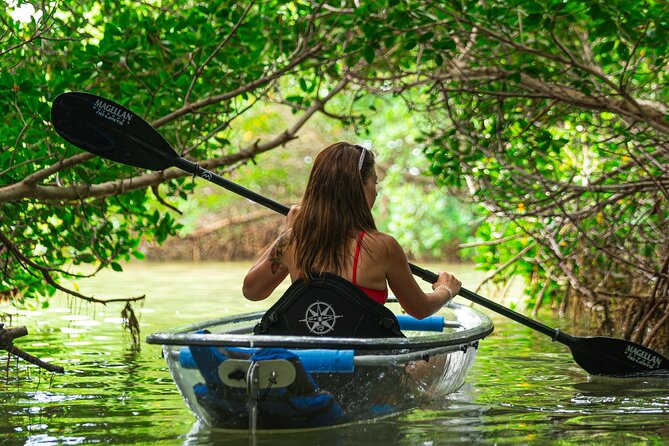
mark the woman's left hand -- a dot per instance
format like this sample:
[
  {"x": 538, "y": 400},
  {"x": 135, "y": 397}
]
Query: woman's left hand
[
  {"x": 292, "y": 215},
  {"x": 448, "y": 283}
]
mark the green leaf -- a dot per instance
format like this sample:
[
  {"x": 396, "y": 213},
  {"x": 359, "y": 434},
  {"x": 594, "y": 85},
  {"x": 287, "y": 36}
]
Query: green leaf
[
  {"x": 623, "y": 51},
  {"x": 410, "y": 43},
  {"x": 368, "y": 53},
  {"x": 86, "y": 258},
  {"x": 426, "y": 37}
]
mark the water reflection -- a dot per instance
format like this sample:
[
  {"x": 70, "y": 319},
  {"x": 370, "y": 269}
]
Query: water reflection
[
  {"x": 523, "y": 388},
  {"x": 386, "y": 431}
]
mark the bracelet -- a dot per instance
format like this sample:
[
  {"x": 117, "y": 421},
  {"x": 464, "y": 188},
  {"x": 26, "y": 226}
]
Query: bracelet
[{"x": 447, "y": 288}]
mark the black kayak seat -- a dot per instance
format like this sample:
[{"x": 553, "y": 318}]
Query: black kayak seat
[{"x": 328, "y": 305}]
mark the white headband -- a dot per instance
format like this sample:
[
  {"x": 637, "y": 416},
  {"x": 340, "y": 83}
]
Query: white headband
[{"x": 363, "y": 152}]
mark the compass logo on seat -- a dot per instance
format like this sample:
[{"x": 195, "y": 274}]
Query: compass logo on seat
[{"x": 320, "y": 318}]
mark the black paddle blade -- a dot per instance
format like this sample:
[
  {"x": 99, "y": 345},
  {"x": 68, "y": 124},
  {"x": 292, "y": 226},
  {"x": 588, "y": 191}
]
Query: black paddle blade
[
  {"x": 610, "y": 356},
  {"x": 109, "y": 130}
]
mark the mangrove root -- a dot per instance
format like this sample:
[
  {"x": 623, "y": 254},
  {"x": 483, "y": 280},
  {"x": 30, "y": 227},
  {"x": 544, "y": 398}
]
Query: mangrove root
[{"x": 7, "y": 337}]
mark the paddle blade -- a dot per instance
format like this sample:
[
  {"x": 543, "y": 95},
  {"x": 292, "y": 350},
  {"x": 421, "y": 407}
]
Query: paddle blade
[
  {"x": 109, "y": 130},
  {"x": 610, "y": 356}
]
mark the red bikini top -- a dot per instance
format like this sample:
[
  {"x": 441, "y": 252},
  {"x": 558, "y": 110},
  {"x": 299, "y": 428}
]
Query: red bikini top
[{"x": 380, "y": 296}]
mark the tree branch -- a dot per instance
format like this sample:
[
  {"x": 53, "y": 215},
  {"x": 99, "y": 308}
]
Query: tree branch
[
  {"x": 45, "y": 272},
  {"x": 7, "y": 337},
  {"x": 194, "y": 106}
]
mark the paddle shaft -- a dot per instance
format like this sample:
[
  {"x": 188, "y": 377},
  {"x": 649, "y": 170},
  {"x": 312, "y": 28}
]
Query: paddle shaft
[
  {"x": 195, "y": 169},
  {"x": 554, "y": 333}
]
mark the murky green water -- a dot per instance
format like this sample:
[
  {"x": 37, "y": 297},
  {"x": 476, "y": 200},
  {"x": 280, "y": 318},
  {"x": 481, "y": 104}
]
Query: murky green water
[{"x": 523, "y": 389}]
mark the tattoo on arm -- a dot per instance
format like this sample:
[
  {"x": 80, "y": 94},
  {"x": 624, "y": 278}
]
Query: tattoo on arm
[{"x": 277, "y": 251}]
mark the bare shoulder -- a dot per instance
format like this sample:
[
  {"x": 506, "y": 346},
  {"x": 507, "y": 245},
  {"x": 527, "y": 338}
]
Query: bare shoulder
[{"x": 385, "y": 244}]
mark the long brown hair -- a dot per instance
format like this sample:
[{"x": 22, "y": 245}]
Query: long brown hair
[{"x": 333, "y": 209}]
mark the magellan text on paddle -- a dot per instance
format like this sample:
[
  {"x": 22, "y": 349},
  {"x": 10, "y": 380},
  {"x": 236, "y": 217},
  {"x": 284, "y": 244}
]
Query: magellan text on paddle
[
  {"x": 642, "y": 357},
  {"x": 112, "y": 113}
]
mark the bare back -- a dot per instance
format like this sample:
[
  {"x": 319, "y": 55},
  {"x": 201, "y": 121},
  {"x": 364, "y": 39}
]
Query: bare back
[{"x": 372, "y": 262}]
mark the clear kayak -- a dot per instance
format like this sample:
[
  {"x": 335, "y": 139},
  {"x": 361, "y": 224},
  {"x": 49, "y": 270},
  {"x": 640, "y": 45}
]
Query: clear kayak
[{"x": 233, "y": 379}]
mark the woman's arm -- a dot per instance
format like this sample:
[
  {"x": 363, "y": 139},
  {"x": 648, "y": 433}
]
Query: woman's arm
[
  {"x": 409, "y": 294},
  {"x": 270, "y": 269},
  {"x": 268, "y": 272}
]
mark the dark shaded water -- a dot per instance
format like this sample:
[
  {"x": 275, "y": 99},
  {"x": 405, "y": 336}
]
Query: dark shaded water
[{"x": 523, "y": 389}]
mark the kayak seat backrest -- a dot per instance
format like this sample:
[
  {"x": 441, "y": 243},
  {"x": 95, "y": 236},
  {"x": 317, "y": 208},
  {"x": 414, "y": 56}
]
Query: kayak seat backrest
[{"x": 328, "y": 305}]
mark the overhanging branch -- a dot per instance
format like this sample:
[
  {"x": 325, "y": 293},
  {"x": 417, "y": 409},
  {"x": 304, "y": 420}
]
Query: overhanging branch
[{"x": 7, "y": 337}]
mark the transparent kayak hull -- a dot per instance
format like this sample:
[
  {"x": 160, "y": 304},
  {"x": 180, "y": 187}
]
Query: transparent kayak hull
[{"x": 233, "y": 379}]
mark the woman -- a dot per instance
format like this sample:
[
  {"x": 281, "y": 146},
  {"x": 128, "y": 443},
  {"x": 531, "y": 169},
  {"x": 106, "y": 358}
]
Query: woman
[{"x": 333, "y": 231}]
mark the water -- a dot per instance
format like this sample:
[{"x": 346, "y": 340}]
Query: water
[{"x": 522, "y": 389}]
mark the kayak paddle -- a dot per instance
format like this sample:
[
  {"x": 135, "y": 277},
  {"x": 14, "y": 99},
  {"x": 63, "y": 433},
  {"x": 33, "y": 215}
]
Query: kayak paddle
[{"x": 111, "y": 131}]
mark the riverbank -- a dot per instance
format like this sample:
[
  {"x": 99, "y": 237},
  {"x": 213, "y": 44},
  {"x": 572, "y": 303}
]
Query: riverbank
[
  {"x": 226, "y": 239},
  {"x": 221, "y": 239}
]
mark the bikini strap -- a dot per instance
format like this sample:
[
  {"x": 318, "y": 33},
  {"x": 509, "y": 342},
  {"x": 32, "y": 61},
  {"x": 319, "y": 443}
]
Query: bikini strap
[{"x": 357, "y": 254}]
